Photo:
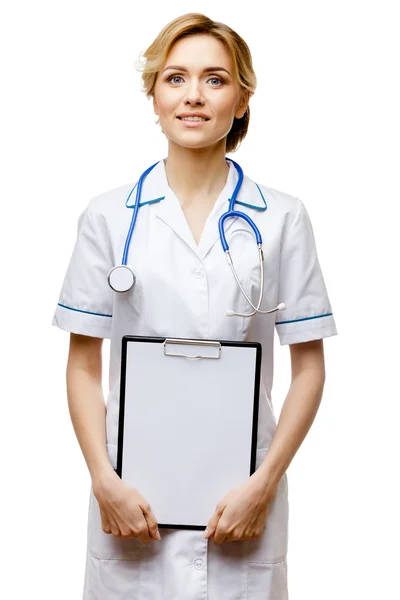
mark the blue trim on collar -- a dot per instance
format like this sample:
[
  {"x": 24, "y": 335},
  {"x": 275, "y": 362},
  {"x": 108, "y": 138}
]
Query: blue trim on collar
[
  {"x": 260, "y": 208},
  {"x": 141, "y": 203},
  {"x": 306, "y": 319}
]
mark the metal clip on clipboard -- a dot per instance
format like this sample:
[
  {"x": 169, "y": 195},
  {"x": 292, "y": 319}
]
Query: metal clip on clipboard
[{"x": 206, "y": 344}]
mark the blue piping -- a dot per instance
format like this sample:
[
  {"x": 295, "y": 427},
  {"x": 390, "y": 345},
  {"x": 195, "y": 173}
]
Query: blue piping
[
  {"x": 83, "y": 311},
  {"x": 305, "y": 319}
]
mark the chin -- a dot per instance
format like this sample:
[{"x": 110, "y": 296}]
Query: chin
[{"x": 186, "y": 142}]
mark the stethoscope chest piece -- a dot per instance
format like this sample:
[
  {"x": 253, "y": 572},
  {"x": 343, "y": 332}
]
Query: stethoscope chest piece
[{"x": 121, "y": 278}]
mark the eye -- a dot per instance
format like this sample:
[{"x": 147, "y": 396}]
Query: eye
[
  {"x": 218, "y": 79},
  {"x": 174, "y": 77}
]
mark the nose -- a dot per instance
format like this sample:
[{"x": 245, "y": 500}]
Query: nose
[{"x": 194, "y": 94}]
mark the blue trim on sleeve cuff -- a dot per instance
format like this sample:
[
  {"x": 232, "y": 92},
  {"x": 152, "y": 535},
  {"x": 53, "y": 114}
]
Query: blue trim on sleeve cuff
[
  {"x": 84, "y": 311},
  {"x": 306, "y": 319}
]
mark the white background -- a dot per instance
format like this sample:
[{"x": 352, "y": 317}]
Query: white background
[{"x": 324, "y": 127}]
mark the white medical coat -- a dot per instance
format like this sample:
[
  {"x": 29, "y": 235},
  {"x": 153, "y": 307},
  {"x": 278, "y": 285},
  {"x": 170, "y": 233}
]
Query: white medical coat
[{"x": 183, "y": 290}]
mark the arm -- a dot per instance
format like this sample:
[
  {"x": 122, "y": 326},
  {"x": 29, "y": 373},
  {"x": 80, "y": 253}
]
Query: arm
[
  {"x": 86, "y": 402},
  {"x": 298, "y": 411},
  {"x": 241, "y": 514},
  {"x": 124, "y": 511}
]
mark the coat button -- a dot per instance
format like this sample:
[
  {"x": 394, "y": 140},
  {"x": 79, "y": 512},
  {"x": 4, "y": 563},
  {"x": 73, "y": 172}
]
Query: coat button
[
  {"x": 198, "y": 273},
  {"x": 199, "y": 563}
]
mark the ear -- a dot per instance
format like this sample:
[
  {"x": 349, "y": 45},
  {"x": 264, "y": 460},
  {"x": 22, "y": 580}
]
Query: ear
[
  {"x": 242, "y": 106},
  {"x": 155, "y": 106}
]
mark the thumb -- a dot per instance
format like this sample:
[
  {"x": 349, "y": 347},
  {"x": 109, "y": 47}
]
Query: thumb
[
  {"x": 153, "y": 526},
  {"x": 213, "y": 522},
  {"x": 211, "y": 526}
]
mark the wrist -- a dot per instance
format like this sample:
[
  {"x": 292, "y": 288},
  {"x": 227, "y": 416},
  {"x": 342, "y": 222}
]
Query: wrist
[
  {"x": 99, "y": 463},
  {"x": 267, "y": 481},
  {"x": 103, "y": 477}
]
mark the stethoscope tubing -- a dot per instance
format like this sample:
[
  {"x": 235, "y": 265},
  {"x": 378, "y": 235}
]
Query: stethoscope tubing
[
  {"x": 231, "y": 213},
  {"x": 135, "y": 212}
]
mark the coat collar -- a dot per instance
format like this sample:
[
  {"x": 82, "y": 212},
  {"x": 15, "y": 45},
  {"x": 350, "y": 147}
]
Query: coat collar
[{"x": 155, "y": 190}]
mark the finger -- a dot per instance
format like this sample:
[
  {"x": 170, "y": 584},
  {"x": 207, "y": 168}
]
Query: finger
[
  {"x": 128, "y": 534},
  {"x": 220, "y": 537},
  {"x": 211, "y": 525},
  {"x": 133, "y": 530},
  {"x": 221, "y": 532},
  {"x": 152, "y": 523},
  {"x": 143, "y": 532},
  {"x": 115, "y": 531},
  {"x": 152, "y": 526},
  {"x": 208, "y": 532},
  {"x": 105, "y": 523},
  {"x": 141, "y": 528}
]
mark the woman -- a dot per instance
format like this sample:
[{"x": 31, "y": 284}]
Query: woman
[{"x": 199, "y": 74}]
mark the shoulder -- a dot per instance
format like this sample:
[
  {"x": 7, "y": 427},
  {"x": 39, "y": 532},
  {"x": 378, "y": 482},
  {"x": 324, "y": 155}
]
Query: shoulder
[
  {"x": 278, "y": 200},
  {"x": 111, "y": 202},
  {"x": 281, "y": 207}
]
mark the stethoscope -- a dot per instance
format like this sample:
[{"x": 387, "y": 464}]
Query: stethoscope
[{"x": 121, "y": 278}]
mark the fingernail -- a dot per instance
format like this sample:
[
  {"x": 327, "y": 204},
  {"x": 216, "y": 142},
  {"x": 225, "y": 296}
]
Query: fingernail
[
  {"x": 158, "y": 536},
  {"x": 205, "y": 534}
]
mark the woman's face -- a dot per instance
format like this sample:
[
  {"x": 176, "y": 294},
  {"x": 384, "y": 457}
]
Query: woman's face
[{"x": 197, "y": 77}]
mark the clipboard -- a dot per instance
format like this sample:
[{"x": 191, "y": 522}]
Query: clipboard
[{"x": 188, "y": 420}]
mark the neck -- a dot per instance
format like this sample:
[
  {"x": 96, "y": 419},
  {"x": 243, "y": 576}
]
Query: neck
[{"x": 198, "y": 174}]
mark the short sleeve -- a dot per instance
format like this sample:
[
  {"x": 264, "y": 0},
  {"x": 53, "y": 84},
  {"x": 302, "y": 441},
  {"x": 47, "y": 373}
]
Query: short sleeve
[
  {"x": 308, "y": 314},
  {"x": 85, "y": 301}
]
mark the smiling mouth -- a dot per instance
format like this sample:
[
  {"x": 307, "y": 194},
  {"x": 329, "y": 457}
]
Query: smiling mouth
[{"x": 192, "y": 119}]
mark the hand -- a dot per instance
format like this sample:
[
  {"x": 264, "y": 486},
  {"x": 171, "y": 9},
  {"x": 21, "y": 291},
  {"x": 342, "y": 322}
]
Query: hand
[
  {"x": 124, "y": 511},
  {"x": 241, "y": 514}
]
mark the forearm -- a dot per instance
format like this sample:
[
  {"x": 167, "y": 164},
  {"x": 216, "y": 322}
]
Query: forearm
[
  {"x": 87, "y": 410},
  {"x": 297, "y": 415}
]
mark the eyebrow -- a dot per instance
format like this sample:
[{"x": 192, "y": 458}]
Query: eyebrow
[{"x": 206, "y": 70}]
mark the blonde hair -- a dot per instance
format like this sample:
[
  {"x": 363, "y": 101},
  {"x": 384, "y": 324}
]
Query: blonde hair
[{"x": 193, "y": 24}]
